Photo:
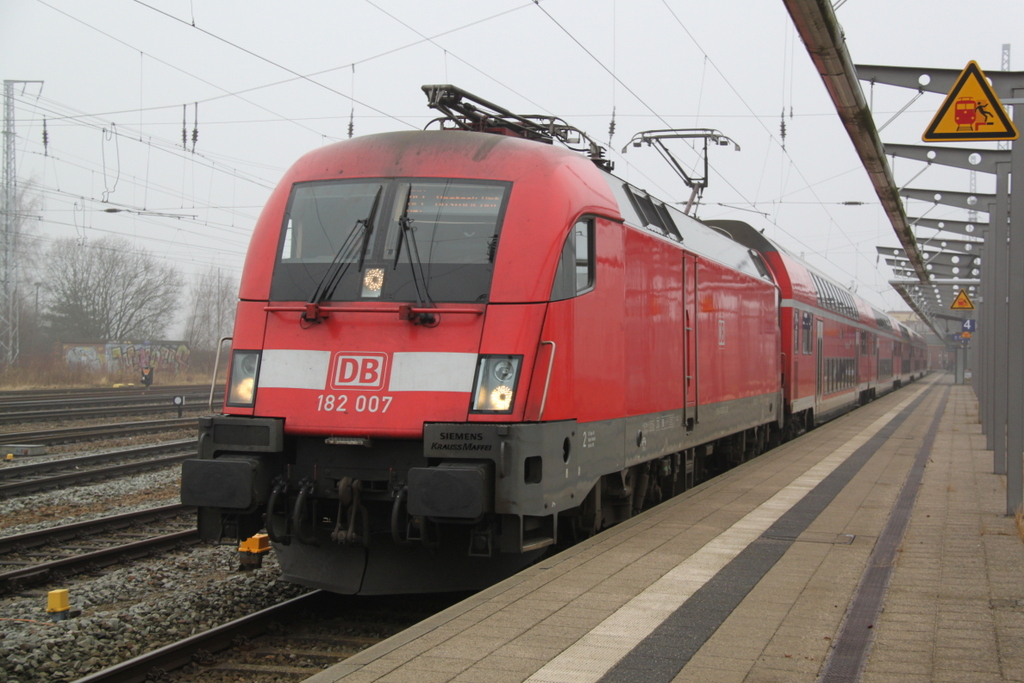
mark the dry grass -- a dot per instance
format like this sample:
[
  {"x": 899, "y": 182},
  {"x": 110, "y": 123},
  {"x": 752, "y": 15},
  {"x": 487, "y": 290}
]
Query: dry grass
[
  {"x": 1019, "y": 521},
  {"x": 48, "y": 373}
]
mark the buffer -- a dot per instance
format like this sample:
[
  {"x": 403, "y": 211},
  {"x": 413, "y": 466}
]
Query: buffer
[{"x": 971, "y": 111}]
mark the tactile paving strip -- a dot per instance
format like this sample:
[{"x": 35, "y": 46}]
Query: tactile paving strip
[
  {"x": 653, "y": 636},
  {"x": 852, "y": 645}
]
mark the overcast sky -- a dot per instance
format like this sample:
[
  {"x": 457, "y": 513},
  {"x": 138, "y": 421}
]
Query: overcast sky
[{"x": 273, "y": 80}]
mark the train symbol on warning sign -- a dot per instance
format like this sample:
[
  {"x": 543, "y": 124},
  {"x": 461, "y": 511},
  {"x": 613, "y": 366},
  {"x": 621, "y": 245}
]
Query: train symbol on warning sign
[{"x": 970, "y": 114}]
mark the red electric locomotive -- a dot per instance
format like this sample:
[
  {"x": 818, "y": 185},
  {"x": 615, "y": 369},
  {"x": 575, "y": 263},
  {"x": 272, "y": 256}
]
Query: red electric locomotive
[{"x": 456, "y": 348}]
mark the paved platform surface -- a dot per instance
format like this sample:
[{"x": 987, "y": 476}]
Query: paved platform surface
[{"x": 796, "y": 566}]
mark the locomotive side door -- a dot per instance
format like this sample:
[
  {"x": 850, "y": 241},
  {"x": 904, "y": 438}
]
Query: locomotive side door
[{"x": 691, "y": 375}]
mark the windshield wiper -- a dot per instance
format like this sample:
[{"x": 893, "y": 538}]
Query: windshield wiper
[
  {"x": 340, "y": 263},
  {"x": 415, "y": 264}
]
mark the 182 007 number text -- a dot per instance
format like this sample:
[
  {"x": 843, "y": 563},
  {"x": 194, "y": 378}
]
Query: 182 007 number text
[{"x": 340, "y": 403}]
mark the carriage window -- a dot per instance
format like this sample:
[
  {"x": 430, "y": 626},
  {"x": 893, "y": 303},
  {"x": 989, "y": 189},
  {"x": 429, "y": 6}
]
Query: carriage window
[
  {"x": 808, "y": 339},
  {"x": 575, "y": 273}
]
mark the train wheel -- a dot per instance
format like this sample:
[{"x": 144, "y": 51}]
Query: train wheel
[
  {"x": 585, "y": 521},
  {"x": 617, "y": 497}
]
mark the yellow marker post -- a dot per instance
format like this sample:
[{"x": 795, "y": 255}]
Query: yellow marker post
[
  {"x": 58, "y": 604},
  {"x": 252, "y": 550}
]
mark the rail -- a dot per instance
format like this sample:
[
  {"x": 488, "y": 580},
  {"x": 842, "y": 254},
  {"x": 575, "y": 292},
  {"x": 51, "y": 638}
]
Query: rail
[
  {"x": 26, "y": 416},
  {"x": 222, "y": 637},
  {"x": 52, "y": 437},
  {"x": 38, "y": 573},
  {"x": 67, "y": 532},
  {"x": 77, "y": 477}
]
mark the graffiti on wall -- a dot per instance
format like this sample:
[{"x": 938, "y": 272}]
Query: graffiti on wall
[
  {"x": 90, "y": 356},
  {"x": 129, "y": 356}
]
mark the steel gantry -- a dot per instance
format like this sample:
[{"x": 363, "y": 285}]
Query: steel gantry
[
  {"x": 823, "y": 38},
  {"x": 940, "y": 262}
]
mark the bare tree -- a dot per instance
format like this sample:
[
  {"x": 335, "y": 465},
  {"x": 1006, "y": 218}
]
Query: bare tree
[
  {"x": 211, "y": 309},
  {"x": 108, "y": 290}
]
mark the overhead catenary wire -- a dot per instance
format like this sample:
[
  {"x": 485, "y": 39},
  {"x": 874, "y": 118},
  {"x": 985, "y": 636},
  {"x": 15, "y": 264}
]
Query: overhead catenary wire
[
  {"x": 793, "y": 165},
  {"x": 338, "y": 125},
  {"x": 432, "y": 41},
  {"x": 168, "y": 146},
  {"x": 662, "y": 119},
  {"x": 161, "y": 61},
  {"x": 267, "y": 60}
]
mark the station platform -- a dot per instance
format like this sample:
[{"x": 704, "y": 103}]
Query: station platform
[{"x": 874, "y": 548}]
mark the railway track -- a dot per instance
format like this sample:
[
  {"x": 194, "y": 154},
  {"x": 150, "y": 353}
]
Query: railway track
[
  {"x": 294, "y": 639},
  {"x": 122, "y": 393},
  {"x": 51, "y": 405},
  {"x": 192, "y": 403},
  {"x": 53, "y": 437},
  {"x": 40, "y": 556},
  {"x": 40, "y": 476}
]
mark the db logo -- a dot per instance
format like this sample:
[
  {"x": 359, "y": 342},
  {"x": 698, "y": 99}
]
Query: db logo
[{"x": 358, "y": 372}]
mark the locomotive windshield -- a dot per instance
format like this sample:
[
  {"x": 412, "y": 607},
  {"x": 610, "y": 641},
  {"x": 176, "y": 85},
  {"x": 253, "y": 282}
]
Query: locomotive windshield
[{"x": 437, "y": 233}]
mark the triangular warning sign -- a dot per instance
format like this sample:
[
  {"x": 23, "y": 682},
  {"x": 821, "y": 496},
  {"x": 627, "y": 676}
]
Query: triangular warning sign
[
  {"x": 962, "y": 302},
  {"x": 971, "y": 111}
]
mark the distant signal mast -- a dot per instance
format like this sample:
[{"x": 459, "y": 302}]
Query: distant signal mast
[{"x": 9, "y": 238}]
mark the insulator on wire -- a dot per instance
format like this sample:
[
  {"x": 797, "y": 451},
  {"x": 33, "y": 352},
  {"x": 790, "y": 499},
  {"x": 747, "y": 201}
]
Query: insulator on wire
[
  {"x": 611, "y": 127},
  {"x": 184, "y": 127},
  {"x": 46, "y": 139},
  {"x": 352, "y": 110},
  {"x": 782, "y": 127},
  {"x": 195, "y": 128}
]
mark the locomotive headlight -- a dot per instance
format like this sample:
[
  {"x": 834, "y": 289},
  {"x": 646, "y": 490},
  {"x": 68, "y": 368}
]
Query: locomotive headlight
[
  {"x": 494, "y": 388},
  {"x": 501, "y": 398},
  {"x": 245, "y": 368}
]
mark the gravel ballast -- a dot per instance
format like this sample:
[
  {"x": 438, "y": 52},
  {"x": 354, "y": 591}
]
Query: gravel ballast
[{"x": 132, "y": 610}]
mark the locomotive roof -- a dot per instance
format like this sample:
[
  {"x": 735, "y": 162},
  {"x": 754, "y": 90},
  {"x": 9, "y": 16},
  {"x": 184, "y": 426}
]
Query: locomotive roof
[
  {"x": 640, "y": 209},
  {"x": 533, "y": 167},
  {"x": 819, "y": 288}
]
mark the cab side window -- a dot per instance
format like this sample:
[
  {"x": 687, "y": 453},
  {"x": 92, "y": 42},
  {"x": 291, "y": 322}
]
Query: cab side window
[{"x": 575, "y": 274}]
